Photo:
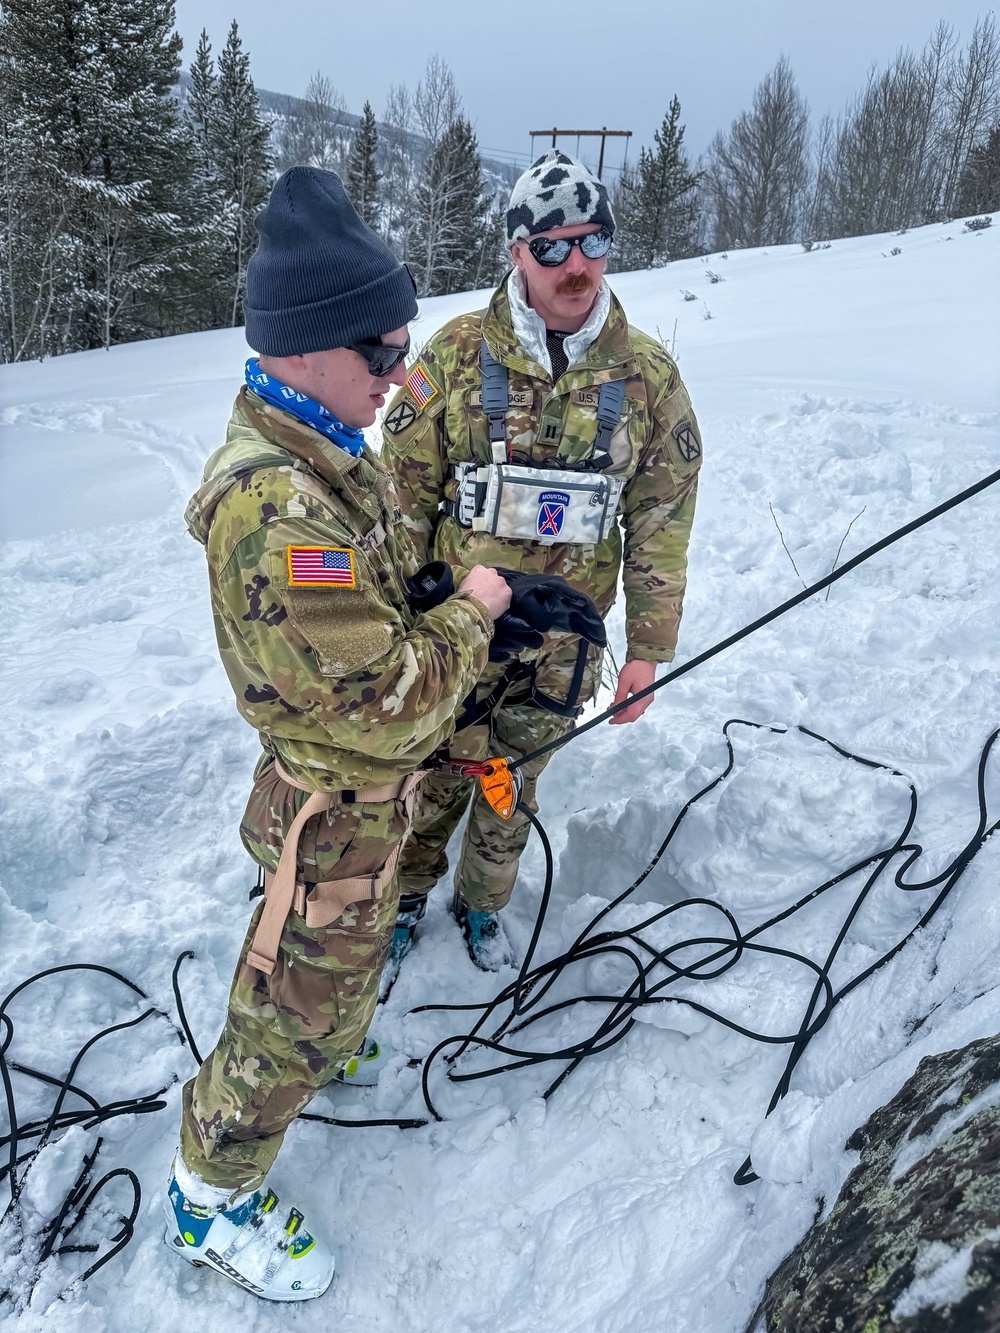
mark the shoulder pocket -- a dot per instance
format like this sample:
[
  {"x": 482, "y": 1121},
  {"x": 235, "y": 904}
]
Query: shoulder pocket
[
  {"x": 684, "y": 450},
  {"x": 411, "y": 411},
  {"x": 346, "y": 625}
]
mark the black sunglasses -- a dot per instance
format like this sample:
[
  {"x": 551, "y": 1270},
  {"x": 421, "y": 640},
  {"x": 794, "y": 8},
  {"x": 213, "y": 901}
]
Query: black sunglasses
[
  {"x": 551, "y": 253},
  {"x": 382, "y": 358}
]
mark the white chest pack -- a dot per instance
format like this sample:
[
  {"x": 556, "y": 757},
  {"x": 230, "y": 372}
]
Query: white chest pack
[
  {"x": 547, "y": 505},
  {"x": 544, "y": 505}
]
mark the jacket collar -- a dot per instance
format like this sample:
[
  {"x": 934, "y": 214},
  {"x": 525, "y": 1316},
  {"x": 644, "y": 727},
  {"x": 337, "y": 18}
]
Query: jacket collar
[
  {"x": 360, "y": 480},
  {"x": 325, "y": 458},
  {"x": 605, "y": 341},
  {"x": 529, "y": 327}
]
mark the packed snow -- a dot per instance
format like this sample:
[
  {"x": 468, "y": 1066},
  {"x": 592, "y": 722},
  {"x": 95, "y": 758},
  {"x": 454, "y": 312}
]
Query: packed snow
[{"x": 841, "y": 393}]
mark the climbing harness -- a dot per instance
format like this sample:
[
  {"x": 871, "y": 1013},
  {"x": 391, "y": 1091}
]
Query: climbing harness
[{"x": 321, "y": 904}]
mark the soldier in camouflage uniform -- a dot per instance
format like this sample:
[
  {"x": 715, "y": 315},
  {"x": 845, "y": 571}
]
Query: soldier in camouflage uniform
[
  {"x": 349, "y": 691},
  {"x": 559, "y": 335}
]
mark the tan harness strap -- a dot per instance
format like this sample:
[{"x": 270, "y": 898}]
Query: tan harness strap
[{"x": 327, "y": 900}]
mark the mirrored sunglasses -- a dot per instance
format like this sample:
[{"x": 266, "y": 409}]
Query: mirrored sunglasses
[
  {"x": 382, "y": 358},
  {"x": 551, "y": 253}
]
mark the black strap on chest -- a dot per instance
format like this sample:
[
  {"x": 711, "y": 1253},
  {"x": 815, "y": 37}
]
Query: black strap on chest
[
  {"x": 494, "y": 395},
  {"x": 610, "y": 398},
  {"x": 609, "y": 409}
]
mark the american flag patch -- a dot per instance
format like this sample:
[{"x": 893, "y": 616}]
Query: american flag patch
[
  {"x": 422, "y": 388},
  {"x": 320, "y": 567}
]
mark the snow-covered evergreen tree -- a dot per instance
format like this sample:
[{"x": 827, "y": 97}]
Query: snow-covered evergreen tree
[
  {"x": 211, "y": 301},
  {"x": 202, "y": 88},
  {"x": 363, "y": 178},
  {"x": 493, "y": 259},
  {"x": 33, "y": 214},
  {"x": 241, "y": 162},
  {"x": 452, "y": 210},
  {"x": 657, "y": 204},
  {"x": 96, "y": 167}
]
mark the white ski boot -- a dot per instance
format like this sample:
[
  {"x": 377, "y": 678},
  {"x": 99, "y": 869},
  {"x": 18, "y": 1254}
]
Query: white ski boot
[
  {"x": 251, "y": 1241},
  {"x": 365, "y": 1065}
]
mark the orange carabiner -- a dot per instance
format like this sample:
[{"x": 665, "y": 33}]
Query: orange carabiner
[{"x": 500, "y": 787}]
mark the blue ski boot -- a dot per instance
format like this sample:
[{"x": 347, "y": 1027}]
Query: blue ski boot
[
  {"x": 488, "y": 946},
  {"x": 410, "y": 911},
  {"x": 259, "y": 1246}
]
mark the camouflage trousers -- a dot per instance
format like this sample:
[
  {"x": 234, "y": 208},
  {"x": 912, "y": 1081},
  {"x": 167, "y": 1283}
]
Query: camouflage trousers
[
  {"x": 491, "y": 846},
  {"x": 288, "y": 1034}
]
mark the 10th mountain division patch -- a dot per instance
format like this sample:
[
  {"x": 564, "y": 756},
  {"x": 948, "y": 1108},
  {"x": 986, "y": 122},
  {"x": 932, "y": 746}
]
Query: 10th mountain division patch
[
  {"x": 687, "y": 441},
  {"x": 404, "y": 414}
]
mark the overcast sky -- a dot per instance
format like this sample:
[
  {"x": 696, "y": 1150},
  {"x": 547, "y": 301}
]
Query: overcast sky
[{"x": 580, "y": 64}]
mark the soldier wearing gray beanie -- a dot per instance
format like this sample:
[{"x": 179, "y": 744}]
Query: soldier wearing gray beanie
[
  {"x": 319, "y": 277},
  {"x": 352, "y": 689}
]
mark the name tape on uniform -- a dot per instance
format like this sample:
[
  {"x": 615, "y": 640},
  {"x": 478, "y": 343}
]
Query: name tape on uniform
[
  {"x": 320, "y": 567},
  {"x": 515, "y": 398}
]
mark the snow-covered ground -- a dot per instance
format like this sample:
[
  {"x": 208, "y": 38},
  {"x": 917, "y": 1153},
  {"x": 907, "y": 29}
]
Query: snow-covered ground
[{"x": 850, "y": 388}]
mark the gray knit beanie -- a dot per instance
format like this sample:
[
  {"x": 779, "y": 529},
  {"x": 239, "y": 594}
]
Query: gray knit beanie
[
  {"x": 319, "y": 277},
  {"x": 557, "y": 191}
]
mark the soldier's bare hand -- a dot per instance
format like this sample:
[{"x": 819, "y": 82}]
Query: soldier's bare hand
[
  {"x": 633, "y": 677},
  {"x": 488, "y": 587}
]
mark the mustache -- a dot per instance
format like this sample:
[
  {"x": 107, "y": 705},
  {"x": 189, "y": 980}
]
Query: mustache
[{"x": 574, "y": 282}]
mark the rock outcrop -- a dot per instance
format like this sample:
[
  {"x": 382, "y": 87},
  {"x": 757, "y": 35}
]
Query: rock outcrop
[{"x": 912, "y": 1244}]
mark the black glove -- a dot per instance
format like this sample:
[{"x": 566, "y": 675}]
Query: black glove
[
  {"x": 546, "y": 601},
  {"x": 430, "y": 585},
  {"x": 511, "y": 635}
]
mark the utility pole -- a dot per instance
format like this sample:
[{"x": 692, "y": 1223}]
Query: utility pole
[{"x": 603, "y": 133}]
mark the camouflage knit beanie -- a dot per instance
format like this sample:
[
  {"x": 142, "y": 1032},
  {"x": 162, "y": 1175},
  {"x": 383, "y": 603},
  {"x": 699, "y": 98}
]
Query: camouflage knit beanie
[
  {"x": 557, "y": 191},
  {"x": 319, "y": 277}
]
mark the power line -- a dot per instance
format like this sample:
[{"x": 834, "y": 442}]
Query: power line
[{"x": 603, "y": 133}]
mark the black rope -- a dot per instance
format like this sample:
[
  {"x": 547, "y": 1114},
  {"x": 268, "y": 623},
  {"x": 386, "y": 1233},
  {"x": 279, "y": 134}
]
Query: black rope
[
  {"x": 182, "y": 1016},
  {"x": 653, "y": 970},
  {"x": 763, "y": 620},
  {"x": 53, "y": 1237},
  {"x": 518, "y": 1006}
]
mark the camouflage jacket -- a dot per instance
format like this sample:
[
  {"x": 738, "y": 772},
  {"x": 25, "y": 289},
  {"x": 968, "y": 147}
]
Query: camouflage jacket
[
  {"x": 437, "y": 420},
  {"x": 345, "y": 685}
]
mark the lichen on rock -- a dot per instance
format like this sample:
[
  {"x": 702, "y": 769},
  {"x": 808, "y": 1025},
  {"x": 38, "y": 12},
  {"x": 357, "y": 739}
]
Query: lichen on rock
[{"x": 912, "y": 1244}]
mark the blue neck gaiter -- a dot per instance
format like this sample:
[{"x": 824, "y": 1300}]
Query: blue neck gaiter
[{"x": 305, "y": 409}]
